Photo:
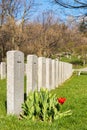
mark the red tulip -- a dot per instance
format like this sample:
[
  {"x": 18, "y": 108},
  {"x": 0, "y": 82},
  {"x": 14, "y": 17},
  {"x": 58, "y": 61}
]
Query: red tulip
[{"x": 61, "y": 100}]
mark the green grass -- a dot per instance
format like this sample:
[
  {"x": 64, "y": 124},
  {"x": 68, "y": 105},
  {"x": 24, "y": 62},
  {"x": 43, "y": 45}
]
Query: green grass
[
  {"x": 77, "y": 63},
  {"x": 75, "y": 91}
]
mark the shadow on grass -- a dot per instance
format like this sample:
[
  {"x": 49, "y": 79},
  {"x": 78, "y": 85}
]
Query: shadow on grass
[
  {"x": 83, "y": 73},
  {"x": 25, "y": 96},
  {"x": 6, "y": 104}
]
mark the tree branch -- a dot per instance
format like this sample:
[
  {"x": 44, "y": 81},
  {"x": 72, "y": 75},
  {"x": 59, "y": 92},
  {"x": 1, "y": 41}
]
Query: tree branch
[{"x": 66, "y": 5}]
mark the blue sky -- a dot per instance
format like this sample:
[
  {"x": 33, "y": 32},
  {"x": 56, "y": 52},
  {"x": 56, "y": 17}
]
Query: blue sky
[
  {"x": 59, "y": 11},
  {"x": 46, "y": 5}
]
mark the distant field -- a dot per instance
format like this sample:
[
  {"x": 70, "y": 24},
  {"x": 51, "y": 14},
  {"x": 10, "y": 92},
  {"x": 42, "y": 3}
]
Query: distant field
[
  {"x": 75, "y": 91},
  {"x": 77, "y": 63}
]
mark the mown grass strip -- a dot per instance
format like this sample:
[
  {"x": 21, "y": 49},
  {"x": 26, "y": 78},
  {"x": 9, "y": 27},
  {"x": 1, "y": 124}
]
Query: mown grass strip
[{"x": 74, "y": 90}]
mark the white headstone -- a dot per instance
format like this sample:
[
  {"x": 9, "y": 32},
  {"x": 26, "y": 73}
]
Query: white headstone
[
  {"x": 48, "y": 73},
  {"x": 41, "y": 72},
  {"x": 71, "y": 69},
  {"x": 67, "y": 75},
  {"x": 53, "y": 74},
  {"x": 62, "y": 72},
  {"x": 32, "y": 69},
  {"x": 57, "y": 73},
  {"x": 65, "y": 71},
  {"x": 15, "y": 81},
  {"x": 3, "y": 70}
]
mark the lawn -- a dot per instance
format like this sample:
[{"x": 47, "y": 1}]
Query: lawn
[{"x": 75, "y": 92}]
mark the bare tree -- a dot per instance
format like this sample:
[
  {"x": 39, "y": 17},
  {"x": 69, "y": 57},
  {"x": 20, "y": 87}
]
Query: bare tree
[
  {"x": 80, "y": 5},
  {"x": 14, "y": 14},
  {"x": 18, "y": 9}
]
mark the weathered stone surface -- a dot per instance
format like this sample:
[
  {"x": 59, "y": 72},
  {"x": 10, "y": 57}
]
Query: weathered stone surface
[
  {"x": 41, "y": 72},
  {"x": 53, "y": 74},
  {"x": 60, "y": 71},
  {"x": 57, "y": 71},
  {"x": 15, "y": 81},
  {"x": 32, "y": 69},
  {"x": 3, "y": 70},
  {"x": 65, "y": 71},
  {"x": 48, "y": 73}
]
